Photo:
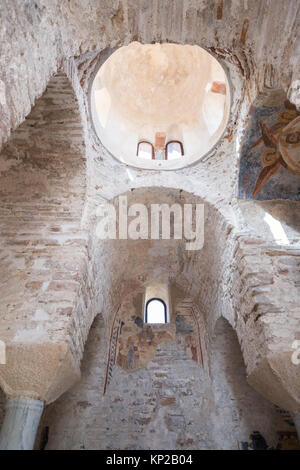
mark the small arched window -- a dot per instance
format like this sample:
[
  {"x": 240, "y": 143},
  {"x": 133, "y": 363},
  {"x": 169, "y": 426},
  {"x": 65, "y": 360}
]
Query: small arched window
[
  {"x": 156, "y": 311},
  {"x": 174, "y": 149},
  {"x": 145, "y": 150}
]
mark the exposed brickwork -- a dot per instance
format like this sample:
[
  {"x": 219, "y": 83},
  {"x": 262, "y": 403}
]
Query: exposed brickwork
[
  {"x": 43, "y": 249},
  {"x": 56, "y": 275},
  {"x": 170, "y": 403}
]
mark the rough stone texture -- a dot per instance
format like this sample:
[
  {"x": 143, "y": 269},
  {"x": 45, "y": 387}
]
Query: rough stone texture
[
  {"x": 268, "y": 320},
  {"x": 173, "y": 402},
  {"x": 66, "y": 29},
  {"x": 56, "y": 275},
  {"x": 238, "y": 409},
  {"x": 43, "y": 248}
]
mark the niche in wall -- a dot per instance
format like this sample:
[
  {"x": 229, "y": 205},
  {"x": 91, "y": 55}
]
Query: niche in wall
[{"x": 157, "y": 304}]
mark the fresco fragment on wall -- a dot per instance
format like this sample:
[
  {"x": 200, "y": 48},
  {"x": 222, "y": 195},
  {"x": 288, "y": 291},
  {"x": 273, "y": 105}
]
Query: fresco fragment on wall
[
  {"x": 133, "y": 344},
  {"x": 287, "y": 440},
  {"x": 188, "y": 330},
  {"x": 270, "y": 152}
]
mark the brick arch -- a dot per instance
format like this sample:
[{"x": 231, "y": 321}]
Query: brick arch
[
  {"x": 43, "y": 245},
  {"x": 57, "y": 31},
  {"x": 192, "y": 24},
  {"x": 249, "y": 281},
  {"x": 266, "y": 305}
]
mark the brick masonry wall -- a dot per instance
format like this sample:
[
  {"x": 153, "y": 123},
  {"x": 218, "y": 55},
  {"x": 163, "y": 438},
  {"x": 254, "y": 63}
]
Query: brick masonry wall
[
  {"x": 160, "y": 395},
  {"x": 238, "y": 408},
  {"x": 38, "y": 35},
  {"x": 43, "y": 247},
  {"x": 55, "y": 277}
]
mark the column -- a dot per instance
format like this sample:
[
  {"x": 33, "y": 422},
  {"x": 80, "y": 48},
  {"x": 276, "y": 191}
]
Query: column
[{"x": 20, "y": 425}]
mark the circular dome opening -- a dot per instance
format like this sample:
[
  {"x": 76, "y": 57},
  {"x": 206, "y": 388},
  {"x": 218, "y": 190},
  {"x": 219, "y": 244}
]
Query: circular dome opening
[{"x": 160, "y": 106}]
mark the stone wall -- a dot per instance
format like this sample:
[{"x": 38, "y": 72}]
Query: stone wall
[
  {"x": 163, "y": 391},
  {"x": 238, "y": 408},
  {"x": 38, "y": 35},
  {"x": 43, "y": 247},
  {"x": 56, "y": 276}
]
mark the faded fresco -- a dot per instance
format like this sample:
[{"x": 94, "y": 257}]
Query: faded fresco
[
  {"x": 133, "y": 343},
  {"x": 270, "y": 153}
]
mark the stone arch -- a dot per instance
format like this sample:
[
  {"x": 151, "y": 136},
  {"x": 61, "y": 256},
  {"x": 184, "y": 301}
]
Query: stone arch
[
  {"x": 239, "y": 409},
  {"x": 44, "y": 248},
  {"x": 238, "y": 283},
  {"x": 217, "y": 229},
  {"x": 256, "y": 284},
  {"x": 189, "y": 21},
  {"x": 230, "y": 261},
  {"x": 145, "y": 390},
  {"x": 262, "y": 276},
  {"x": 50, "y": 39}
]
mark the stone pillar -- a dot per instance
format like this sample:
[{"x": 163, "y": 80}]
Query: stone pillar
[
  {"x": 296, "y": 419},
  {"x": 39, "y": 373},
  {"x": 22, "y": 417}
]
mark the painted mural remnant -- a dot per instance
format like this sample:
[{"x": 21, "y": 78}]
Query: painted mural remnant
[
  {"x": 186, "y": 325},
  {"x": 138, "y": 346},
  {"x": 134, "y": 343},
  {"x": 287, "y": 440},
  {"x": 270, "y": 154},
  {"x": 286, "y": 417}
]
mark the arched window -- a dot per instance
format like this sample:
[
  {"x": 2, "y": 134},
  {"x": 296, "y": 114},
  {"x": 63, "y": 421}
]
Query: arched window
[
  {"x": 156, "y": 311},
  {"x": 174, "y": 149},
  {"x": 145, "y": 150}
]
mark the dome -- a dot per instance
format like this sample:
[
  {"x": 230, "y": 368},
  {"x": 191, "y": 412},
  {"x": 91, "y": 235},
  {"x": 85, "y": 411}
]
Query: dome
[{"x": 154, "y": 94}]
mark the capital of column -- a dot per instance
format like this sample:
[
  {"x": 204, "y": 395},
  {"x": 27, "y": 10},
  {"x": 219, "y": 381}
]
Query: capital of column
[{"x": 38, "y": 371}]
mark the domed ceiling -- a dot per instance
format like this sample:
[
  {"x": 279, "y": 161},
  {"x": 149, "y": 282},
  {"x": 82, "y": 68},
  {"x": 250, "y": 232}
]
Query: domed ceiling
[{"x": 160, "y": 93}]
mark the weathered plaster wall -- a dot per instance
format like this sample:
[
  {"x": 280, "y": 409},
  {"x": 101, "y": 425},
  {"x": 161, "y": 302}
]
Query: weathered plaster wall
[
  {"x": 161, "y": 394},
  {"x": 238, "y": 408},
  {"x": 274, "y": 116},
  {"x": 55, "y": 30},
  {"x": 43, "y": 247},
  {"x": 236, "y": 258},
  {"x": 251, "y": 281}
]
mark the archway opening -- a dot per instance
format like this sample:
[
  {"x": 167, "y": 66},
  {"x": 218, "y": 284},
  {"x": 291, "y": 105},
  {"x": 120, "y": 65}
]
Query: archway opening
[{"x": 156, "y": 311}]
